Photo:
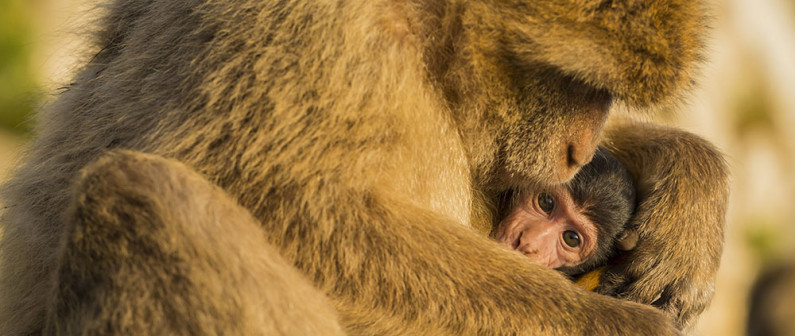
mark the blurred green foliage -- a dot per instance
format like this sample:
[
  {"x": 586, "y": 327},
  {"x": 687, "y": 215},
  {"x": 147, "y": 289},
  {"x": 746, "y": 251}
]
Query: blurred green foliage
[
  {"x": 763, "y": 237},
  {"x": 19, "y": 93},
  {"x": 753, "y": 105}
]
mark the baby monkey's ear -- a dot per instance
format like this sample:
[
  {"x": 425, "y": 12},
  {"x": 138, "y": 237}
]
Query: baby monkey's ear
[{"x": 627, "y": 240}]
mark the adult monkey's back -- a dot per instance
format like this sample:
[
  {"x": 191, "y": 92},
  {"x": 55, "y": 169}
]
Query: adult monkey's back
[{"x": 362, "y": 136}]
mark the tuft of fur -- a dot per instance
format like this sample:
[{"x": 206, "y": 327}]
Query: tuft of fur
[
  {"x": 643, "y": 52},
  {"x": 363, "y": 137}
]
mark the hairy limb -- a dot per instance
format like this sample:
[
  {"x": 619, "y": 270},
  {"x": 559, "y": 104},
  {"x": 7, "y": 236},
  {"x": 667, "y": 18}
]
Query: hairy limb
[
  {"x": 683, "y": 190},
  {"x": 392, "y": 268},
  {"x": 152, "y": 248}
]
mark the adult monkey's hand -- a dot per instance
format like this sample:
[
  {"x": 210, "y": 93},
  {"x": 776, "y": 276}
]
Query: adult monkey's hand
[{"x": 682, "y": 183}]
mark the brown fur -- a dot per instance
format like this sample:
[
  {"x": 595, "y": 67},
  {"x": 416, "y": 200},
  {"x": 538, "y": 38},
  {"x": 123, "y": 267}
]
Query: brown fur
[
  {"x": 364, "y": 136},
  {"x": 682, "y": 183},
  {"x": 121, "y": 223}
]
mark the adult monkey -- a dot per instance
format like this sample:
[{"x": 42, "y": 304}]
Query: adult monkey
[{"x": 363, "y": 136}]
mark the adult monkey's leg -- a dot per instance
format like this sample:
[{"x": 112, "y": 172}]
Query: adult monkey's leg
[
  {"x": 683, "y": 193},
  {"x": 152, "y": 248}
]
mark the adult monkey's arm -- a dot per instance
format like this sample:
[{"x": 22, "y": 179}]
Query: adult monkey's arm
[{"x": 683, "y": 189}]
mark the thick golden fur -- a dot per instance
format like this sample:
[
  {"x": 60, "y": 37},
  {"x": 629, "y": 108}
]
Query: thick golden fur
[{"x": 364, "y": 137}]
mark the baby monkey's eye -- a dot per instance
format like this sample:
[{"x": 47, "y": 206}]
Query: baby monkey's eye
[
  {"x": 571, "y": 238},
  {"x": 546, "y": 202}
]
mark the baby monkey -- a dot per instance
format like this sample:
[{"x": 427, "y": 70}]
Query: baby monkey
[{"x": 575, "y": 228}]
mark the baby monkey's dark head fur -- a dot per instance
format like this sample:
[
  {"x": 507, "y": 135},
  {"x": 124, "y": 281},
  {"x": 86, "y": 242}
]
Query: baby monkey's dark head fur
[{"x": 605, "y": 191}]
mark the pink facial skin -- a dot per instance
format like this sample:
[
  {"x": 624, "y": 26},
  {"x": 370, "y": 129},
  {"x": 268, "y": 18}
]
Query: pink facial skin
[{"x": 546, "y": 237}]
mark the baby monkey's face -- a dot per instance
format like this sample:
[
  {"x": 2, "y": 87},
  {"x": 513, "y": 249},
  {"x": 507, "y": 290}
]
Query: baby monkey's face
[{"x": 549, "y": 228}]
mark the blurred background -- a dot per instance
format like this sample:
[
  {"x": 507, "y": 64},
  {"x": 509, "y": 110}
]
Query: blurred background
[{"x": 745, "y": 105}]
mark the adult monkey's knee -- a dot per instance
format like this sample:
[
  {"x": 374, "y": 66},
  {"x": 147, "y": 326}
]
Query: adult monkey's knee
[{"x": 151, "y": 247}]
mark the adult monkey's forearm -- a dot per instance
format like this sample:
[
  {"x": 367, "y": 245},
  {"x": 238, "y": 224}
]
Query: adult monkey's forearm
[{"x": 683, "y": 189}]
